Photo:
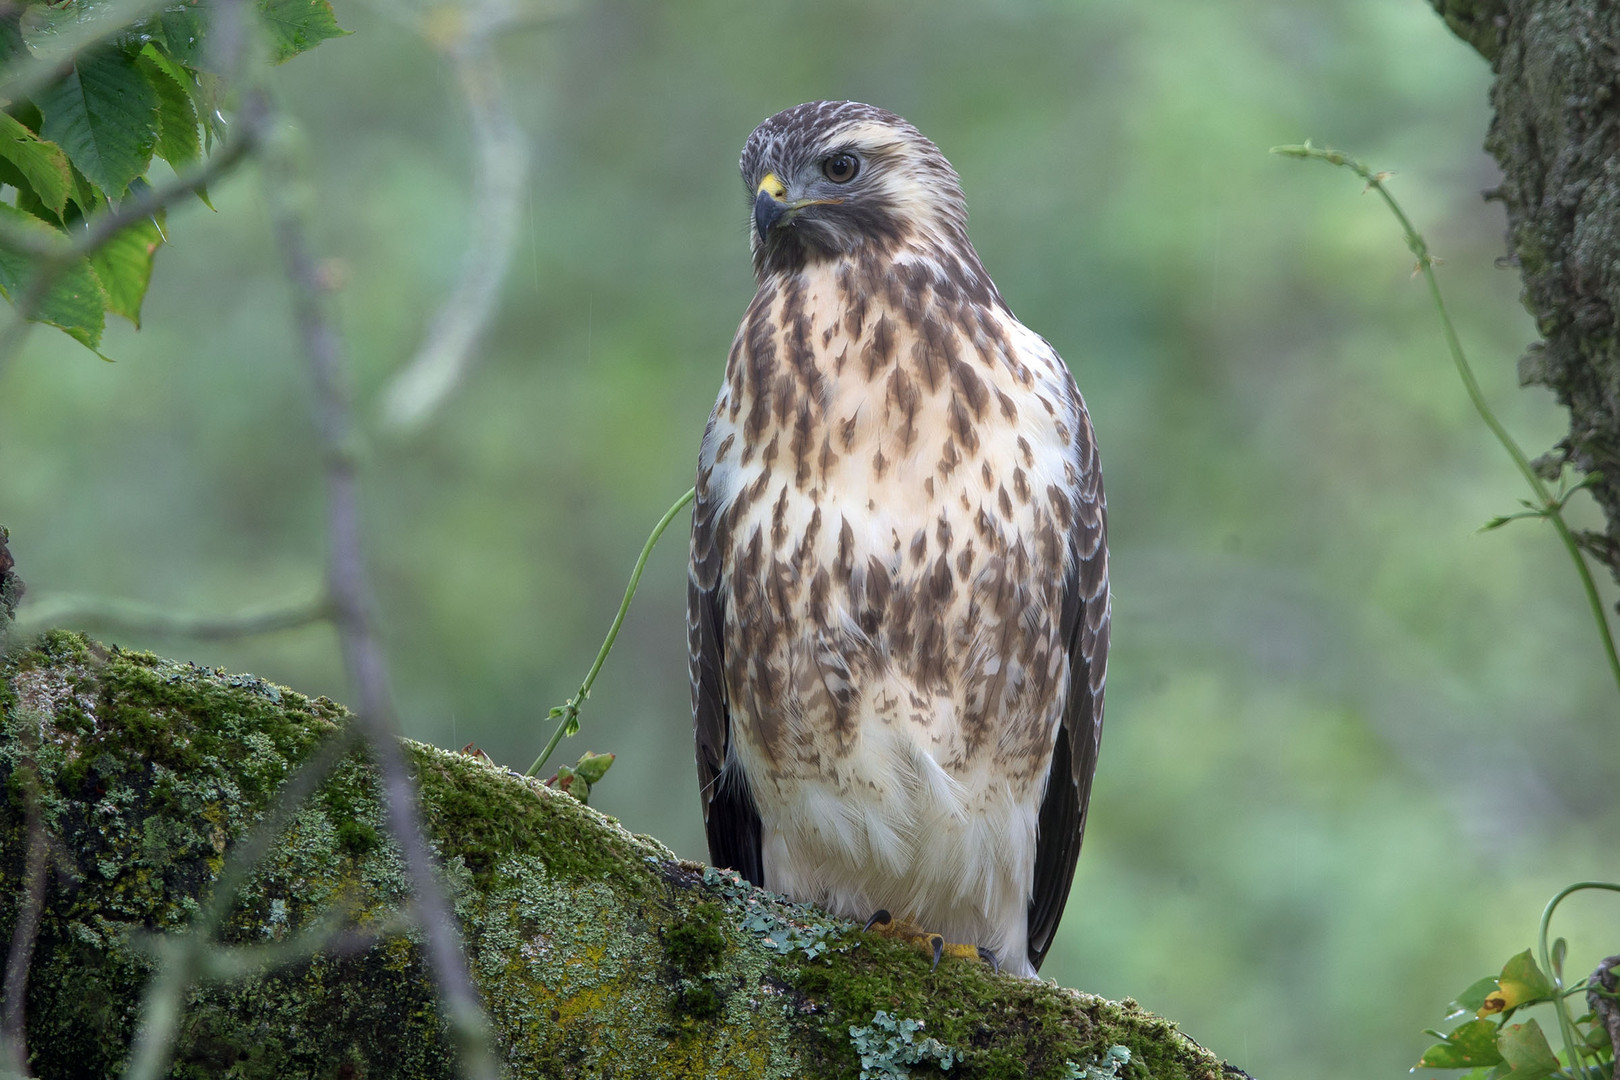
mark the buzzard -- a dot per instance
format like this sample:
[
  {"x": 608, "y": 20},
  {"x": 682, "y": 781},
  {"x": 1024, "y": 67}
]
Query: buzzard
[{"x": 898, "y": 602}]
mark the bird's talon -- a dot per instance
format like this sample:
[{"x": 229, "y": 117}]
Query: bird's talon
[
  {"x": 990, "y": 958},
  {"x": 880, "y": 917},
  {"x": 938, "y": 942}
]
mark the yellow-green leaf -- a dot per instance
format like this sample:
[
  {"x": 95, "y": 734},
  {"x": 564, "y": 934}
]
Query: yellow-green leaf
[
  {"x": 1470, "y": 1044},
  {"x": 124, "y": 267},
  {"x": 177, "y": 141},
  {"x": 1525, "y": 1051},
  {"x": 41, "y": 163},
  {"x": 74, "y": 302},
  {"x": 298, "y": 25},
  {"x": 1521, "y": 983}
]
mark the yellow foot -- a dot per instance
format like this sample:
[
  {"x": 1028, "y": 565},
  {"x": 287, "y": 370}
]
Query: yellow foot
[{"x": 926, "y": 941}]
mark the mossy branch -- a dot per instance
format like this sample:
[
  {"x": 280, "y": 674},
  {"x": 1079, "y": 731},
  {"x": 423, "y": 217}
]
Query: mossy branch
[{"x": 594, "y": 951}]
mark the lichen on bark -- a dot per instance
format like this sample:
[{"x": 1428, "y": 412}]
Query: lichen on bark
[
  {"x": 1556, "y": 136},
  {"x": 598, "y": 953}
]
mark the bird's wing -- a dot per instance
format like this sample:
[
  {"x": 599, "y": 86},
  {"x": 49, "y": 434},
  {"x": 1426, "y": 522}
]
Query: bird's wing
[
  {"x": 728, "y": 810},
  {"x": 1084, "y": 625}
]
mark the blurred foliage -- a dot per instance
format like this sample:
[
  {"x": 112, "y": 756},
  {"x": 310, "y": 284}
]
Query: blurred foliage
[
  {"x": 86, "y": 138},
  {"x": 1352, "y": 743}
]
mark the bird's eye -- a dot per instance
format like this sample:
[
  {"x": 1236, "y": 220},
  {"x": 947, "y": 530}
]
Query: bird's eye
[{"x": 841, "y": 168}]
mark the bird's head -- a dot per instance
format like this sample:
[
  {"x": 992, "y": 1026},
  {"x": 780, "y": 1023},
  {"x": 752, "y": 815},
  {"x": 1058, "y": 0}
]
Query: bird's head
[{"x": 831, "y": 178}]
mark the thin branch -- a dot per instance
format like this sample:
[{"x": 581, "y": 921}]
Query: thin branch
[
  {"x": 57, "y": 252},
  {"x": 84, "y": 33},
  {"x": 499, "y": 183},
  {"x": 24, "y": 935},
  {"x": 181, "y": 957},
  {"x": 349, "y": 586},
  {"x": 110, "y": 615}
]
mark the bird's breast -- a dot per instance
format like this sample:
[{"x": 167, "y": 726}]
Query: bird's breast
[{"x": 890, "y": 455}]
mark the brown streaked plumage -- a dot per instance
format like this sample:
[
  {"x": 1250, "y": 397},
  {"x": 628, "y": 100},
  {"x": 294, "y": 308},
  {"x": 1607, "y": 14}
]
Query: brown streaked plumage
[{"x": 898, "y": 610}]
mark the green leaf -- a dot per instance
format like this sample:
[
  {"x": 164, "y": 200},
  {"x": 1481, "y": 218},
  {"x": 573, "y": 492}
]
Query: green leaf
[
  {"x": 1470, "y": 1044},
  {"x": 1470, "y": 1000},
  {"x": 1521, "y": 982},
  {"x": 180, "y": 29},
  {"x": 86, "y": 196},
  {"x": 296, "y": 26},
  {"x": 104, "y": 114},
  {"x": 124, "y": 267},
  {"x": 41, "y": 163},
  {"x": 177, "y": 141},
  {"x": 75, "y": 302},
  {"x": 1525, "y": 1051},
  {"x": 592, "y": 767}
]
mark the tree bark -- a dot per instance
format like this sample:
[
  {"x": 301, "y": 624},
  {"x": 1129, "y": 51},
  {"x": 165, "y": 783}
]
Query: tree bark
[
  {"x": 1556, "y": 135},
  {"x": 597, "y": 953}
]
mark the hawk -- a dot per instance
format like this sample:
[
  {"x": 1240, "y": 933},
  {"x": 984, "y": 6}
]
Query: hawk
[{"x": 898, "y": 603}]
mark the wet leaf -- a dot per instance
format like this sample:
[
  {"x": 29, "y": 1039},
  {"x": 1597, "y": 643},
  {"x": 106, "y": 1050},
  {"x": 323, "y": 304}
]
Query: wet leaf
[
  {"x": 1473, "y": 998},
  {"x": 1471, "y": 1044},
  {"x": 103, "y": 114}
]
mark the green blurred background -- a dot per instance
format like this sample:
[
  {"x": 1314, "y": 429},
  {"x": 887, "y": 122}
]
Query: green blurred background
[{"x": 1352, "y": 744}]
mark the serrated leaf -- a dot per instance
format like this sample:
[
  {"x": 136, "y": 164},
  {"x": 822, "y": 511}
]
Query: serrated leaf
[
  {"x": 297, "y": 26},
  {"x": 181, "y": 31},
  {"x": 177, "y": 141},
  {"x": 41, "y": 163},
  {"x": 103, "y": 113},
  {"x": 1525, "y": 1051},
  {"x": 124, "y": 267},
  {"x": 74, "y": 303},
  {"x": 86, "y": 196},
  {"x": 1521, "y": 983},
  {"x": 1470, "y": 1044}
]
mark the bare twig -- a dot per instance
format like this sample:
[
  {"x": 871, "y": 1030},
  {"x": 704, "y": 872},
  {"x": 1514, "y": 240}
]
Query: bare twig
[
  {"x": 96, "y": 24},
  {"x": 110, "y": 615},
  {"x": 499, "y": 182},
  {"x": 24, "y": 934},
  {"x": 349, "y": 586},
  {"x": 183, "y": 958}
]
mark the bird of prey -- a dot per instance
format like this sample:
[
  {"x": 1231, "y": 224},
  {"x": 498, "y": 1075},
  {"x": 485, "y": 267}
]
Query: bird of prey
[{"x": 898, "y": 604}]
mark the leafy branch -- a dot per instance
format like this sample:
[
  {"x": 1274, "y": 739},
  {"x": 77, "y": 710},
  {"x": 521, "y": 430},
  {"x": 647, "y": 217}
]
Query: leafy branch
[
  {"x": 89, "y": 101},
  {"x": 1545, "y": 503}
]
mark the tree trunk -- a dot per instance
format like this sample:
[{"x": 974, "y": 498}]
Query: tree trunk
[
  {"x": 1556, "y": 136},
  {"x": 598, "y": 953}
]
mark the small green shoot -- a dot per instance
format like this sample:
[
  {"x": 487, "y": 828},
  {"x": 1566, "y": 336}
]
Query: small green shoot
[{"x": 567, "y": 714}]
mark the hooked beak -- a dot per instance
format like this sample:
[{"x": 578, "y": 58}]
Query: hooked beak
[{"x": 769, "y": 205}]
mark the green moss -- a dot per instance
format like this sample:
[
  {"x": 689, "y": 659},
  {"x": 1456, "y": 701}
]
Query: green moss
[
  {"x": 596, "y": 951},
  {"x": 695, "y": 946}
]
